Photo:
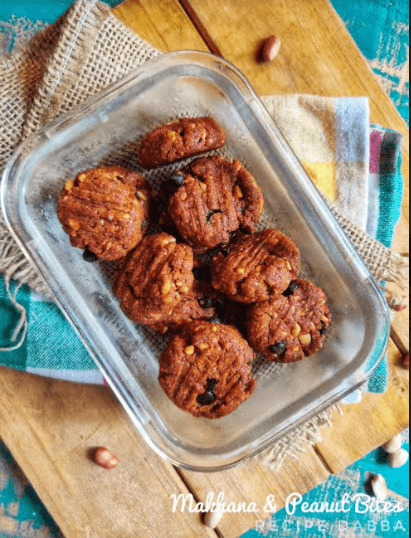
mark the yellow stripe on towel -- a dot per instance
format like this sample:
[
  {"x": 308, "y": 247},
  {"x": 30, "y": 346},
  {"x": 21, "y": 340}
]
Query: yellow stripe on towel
[{"x": 324, "y": 177}]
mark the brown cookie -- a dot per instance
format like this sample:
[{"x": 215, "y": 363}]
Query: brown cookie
[
  {"x": 256, "y": 266},
  {"x": 102, "y": 211},
  {"x": 143, "y": 193},
  {"x": 287, "y": 328},
  {"x": 179, "y": 140},
  {"x": 198, "y": 304},
  {"x": 213, "y": 198},
  {"x": 154, "y": 278},
  {"x": 206, "y": 369}
]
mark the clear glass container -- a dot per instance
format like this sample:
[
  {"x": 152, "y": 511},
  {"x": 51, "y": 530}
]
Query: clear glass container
[{"x": 106, "y": 130}]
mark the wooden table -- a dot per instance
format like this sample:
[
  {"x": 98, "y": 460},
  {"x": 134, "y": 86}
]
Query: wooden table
[{"x": 50, "y": 425}]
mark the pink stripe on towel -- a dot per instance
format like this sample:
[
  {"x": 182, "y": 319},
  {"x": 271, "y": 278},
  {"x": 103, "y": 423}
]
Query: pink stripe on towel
[{"x": 375, "y": 140}]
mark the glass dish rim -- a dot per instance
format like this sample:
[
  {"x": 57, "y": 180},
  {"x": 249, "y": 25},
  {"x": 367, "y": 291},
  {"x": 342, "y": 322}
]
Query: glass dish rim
[{"x": 93, "y": 103}]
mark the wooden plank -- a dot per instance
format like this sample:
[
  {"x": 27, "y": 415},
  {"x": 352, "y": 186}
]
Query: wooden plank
[
  {"x": 367, "y": 426},
  {"x": 50, "y": 426},
  {"x": 163, "y": 24},
  {"x": 401, "y": 325},
  {"x": 318, "y": 55},
  {"x": 253, "y": 482}
]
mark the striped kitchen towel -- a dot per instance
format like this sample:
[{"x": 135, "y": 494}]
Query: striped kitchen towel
[
  {"x": 385, "y": 184},
  {"x": 355, "y": 165}
]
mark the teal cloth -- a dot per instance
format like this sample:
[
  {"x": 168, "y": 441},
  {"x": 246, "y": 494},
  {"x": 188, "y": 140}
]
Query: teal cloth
[
  {"x": 390, "y": 195},
  {"x": 378, "y": 382},
  {"x": 391, "y": 186},
  {"x": 40, "y": 347}
]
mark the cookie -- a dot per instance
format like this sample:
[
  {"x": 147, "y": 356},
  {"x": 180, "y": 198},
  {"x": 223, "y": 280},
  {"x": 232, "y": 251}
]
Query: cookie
[
  {"x": 105, "y": 210},
  {"x": 143, "y": 194},
  {"x": 256, "y": 266},
  {"x": 289, "y": 327},
  {"x": 212, "y": 198},
  {"x": 154, "y": 278},
  {"x": 206, "y": 369},
  {"x": 198, "y": 304},
  {"x": 179, "y": 140}
]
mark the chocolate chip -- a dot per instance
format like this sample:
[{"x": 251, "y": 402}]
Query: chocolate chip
[
  {"x": 292, "y": 288},
  {"x": 323, "y": 329},
  {"x": 121, "y": 179},
  {"x": 211, "y": 213},
  {"x": 177, "y": 179},
  {"x": 205, "y": 303},
  {"x": 208, "y": 398},
  {"x": 211, "y": 385},
  {"x": 89, "y": 256},
  {"x": 244, "y": 230},
  {"x": 174, "y": 183},
  {"x": 279, "y": 348}
]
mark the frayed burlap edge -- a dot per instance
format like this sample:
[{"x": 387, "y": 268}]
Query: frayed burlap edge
[
  {"x": 383, "y": 263},
  {"x": 294, "y": 443},
  {"x": 15, "y": 266},
  {"x": 77, "y": 32}
]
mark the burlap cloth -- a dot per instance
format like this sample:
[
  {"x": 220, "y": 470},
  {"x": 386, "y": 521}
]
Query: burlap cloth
[{"x": 81, "y": 54}]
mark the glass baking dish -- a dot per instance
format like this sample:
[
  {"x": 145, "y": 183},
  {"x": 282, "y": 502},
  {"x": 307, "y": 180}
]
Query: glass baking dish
[{"x": 105, "y": 130}]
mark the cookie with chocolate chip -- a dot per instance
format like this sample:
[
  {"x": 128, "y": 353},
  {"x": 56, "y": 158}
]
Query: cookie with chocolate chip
[
  {"x": 289, "y": 327},
  {"x": 206, "y": 369},
  {"x": 154, "y": 278},
  {"x": 212, "y": 198},
  {"x": 105, "y": 210},
  {"x": 143, "y": 193},
  {"x": 198, "y": 304},
  {"x": 256, "y": 266},
  {"x": 179, "y": 140}
]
